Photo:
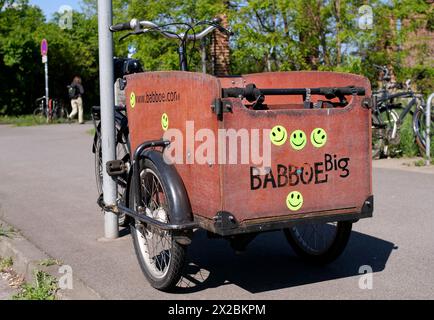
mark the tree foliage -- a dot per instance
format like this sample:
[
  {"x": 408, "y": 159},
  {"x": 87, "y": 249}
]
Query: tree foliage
[{"x": 269, "y": 35}]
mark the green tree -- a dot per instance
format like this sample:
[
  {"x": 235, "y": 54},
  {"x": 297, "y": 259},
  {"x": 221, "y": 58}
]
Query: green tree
[
  {"x": 18, "y": 54},
  {"x": 270, "y": 35},
  {"x": 71, "y": 51}
]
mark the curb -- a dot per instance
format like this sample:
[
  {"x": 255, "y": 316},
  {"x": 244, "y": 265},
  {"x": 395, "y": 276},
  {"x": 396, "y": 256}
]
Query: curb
[{"x": 27, "y": 257}]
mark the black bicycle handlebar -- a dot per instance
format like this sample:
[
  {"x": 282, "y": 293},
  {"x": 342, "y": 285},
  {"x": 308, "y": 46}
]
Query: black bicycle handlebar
[
  {"x": 251, "y": 93},
  {"x": 121, "y": 27},
  {"x": 140, "y": 27},
  {"x": 217, "y": 23}
]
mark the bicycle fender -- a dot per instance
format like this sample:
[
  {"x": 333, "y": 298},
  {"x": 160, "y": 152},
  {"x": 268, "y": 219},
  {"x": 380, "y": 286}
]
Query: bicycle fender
[{"x": 179, "y": 202}]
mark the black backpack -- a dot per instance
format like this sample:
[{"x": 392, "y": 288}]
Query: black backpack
[{"x": 72, "y": 92}]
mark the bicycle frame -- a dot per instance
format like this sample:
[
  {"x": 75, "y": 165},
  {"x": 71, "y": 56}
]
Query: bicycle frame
[
  {"x": 384, "y": 104},
  {"x": 120, "y": 118},
  {"x": 235, "y": 201}
]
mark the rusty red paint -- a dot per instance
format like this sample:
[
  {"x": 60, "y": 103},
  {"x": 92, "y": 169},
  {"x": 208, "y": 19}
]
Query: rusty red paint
[{"x": 228, "y": 187}]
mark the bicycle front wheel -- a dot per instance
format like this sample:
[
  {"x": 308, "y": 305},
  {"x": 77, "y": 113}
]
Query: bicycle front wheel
[{"x": 161, "y": 258}]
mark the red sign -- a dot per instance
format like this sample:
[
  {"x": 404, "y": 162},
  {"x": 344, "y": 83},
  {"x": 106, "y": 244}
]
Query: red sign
[{"x": 44, "y": 47}]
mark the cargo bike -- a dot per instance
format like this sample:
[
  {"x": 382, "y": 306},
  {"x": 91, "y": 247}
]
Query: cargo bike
[{"x": 189, "y": 168}]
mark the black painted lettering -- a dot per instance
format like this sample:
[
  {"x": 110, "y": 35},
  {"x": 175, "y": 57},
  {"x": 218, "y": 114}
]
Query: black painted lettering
[
  {"x": 343, "y": 165},
  {"x": 319, "y": 171},
  {"x": 282, "y": 174},
  {"x": 293, "y": 174},
  {"x": 328, "y": 164},
  {"x": 269, "y": 178},
  {"x": 306, "y": 174},
  {"x": 255, "y": 179}
]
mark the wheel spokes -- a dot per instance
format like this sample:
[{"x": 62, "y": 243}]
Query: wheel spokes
[{"x": 157, "y": 242}]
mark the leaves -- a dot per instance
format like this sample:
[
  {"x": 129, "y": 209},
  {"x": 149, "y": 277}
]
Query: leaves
[{"x": 270, "y": 35}]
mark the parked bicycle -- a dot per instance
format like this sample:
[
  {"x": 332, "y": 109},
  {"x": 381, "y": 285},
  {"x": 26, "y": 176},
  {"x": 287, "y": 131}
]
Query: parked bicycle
[
  {"x": 389, "y": 112},
  {"x": 161, "y": 197},
  {"x": 56, "y": 109}
]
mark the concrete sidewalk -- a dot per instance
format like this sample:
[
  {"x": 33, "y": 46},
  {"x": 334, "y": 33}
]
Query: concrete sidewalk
[
  {"x": 47, "y": 191},
  {"x": 405, "y": 164}
]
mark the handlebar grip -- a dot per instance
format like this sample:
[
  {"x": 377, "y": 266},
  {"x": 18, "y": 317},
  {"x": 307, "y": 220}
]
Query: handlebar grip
[
  {"x": 225, "y": 31},
  {"x": 217, "y": 20},
  {"x": 360, "y": 91},
  {"x": 217, "y": 23},
  {"x": 120, "y": 27}
]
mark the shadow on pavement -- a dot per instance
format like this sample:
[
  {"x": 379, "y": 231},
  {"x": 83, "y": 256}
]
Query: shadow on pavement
[{"x": 270, "y": 264}]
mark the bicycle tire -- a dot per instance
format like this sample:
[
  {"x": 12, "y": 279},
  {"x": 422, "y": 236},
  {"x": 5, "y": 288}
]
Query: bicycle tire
[
  {"x": 330, "y": 253},
  {"x": 166, "y": 274}
]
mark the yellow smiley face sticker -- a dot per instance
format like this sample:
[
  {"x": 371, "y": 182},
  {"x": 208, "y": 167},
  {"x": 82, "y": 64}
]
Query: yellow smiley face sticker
[
  {"x": 132, "y": 100},
  {"x": 278, "y": 135},
  {"x": 298, "y": 139},
  {"x": 164, "y": 121},
  {"x": 294, "y": 200},
  {"x": 318, "y": 137}
]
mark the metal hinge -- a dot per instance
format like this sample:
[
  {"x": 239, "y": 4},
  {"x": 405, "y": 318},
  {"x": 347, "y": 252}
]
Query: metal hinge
[
  {"x": 219, "y": 107},
  {"x": 367, "y": 103},
  {"x": 224, "y": 221}
]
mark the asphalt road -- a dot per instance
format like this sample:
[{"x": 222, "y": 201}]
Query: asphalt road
[{"x": 47, "y": 191}]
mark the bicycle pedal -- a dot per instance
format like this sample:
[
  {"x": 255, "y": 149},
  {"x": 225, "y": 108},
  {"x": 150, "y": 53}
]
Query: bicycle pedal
[{"x": 116, "y": 168}]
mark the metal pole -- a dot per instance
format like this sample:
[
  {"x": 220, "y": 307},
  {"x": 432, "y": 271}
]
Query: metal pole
[
  {"x": 203, "y": 55},
  {"x": 46, "y": 89},
  {"x": 105, "y": 39},
  {"x": 428, "y": 129}
]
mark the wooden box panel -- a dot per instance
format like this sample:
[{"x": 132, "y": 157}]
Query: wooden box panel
[{"x": 185, "y": 97}]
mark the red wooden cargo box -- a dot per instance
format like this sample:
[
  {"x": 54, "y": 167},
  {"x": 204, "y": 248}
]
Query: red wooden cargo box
[{"x": 254, "y": 154}]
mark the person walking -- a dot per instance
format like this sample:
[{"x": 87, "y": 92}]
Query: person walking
[{"x": 76, "y": 91}]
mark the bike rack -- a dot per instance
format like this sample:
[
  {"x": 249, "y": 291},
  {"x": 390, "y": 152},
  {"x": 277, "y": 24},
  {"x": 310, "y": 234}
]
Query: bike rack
[{"x": 428, "y": 125}]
